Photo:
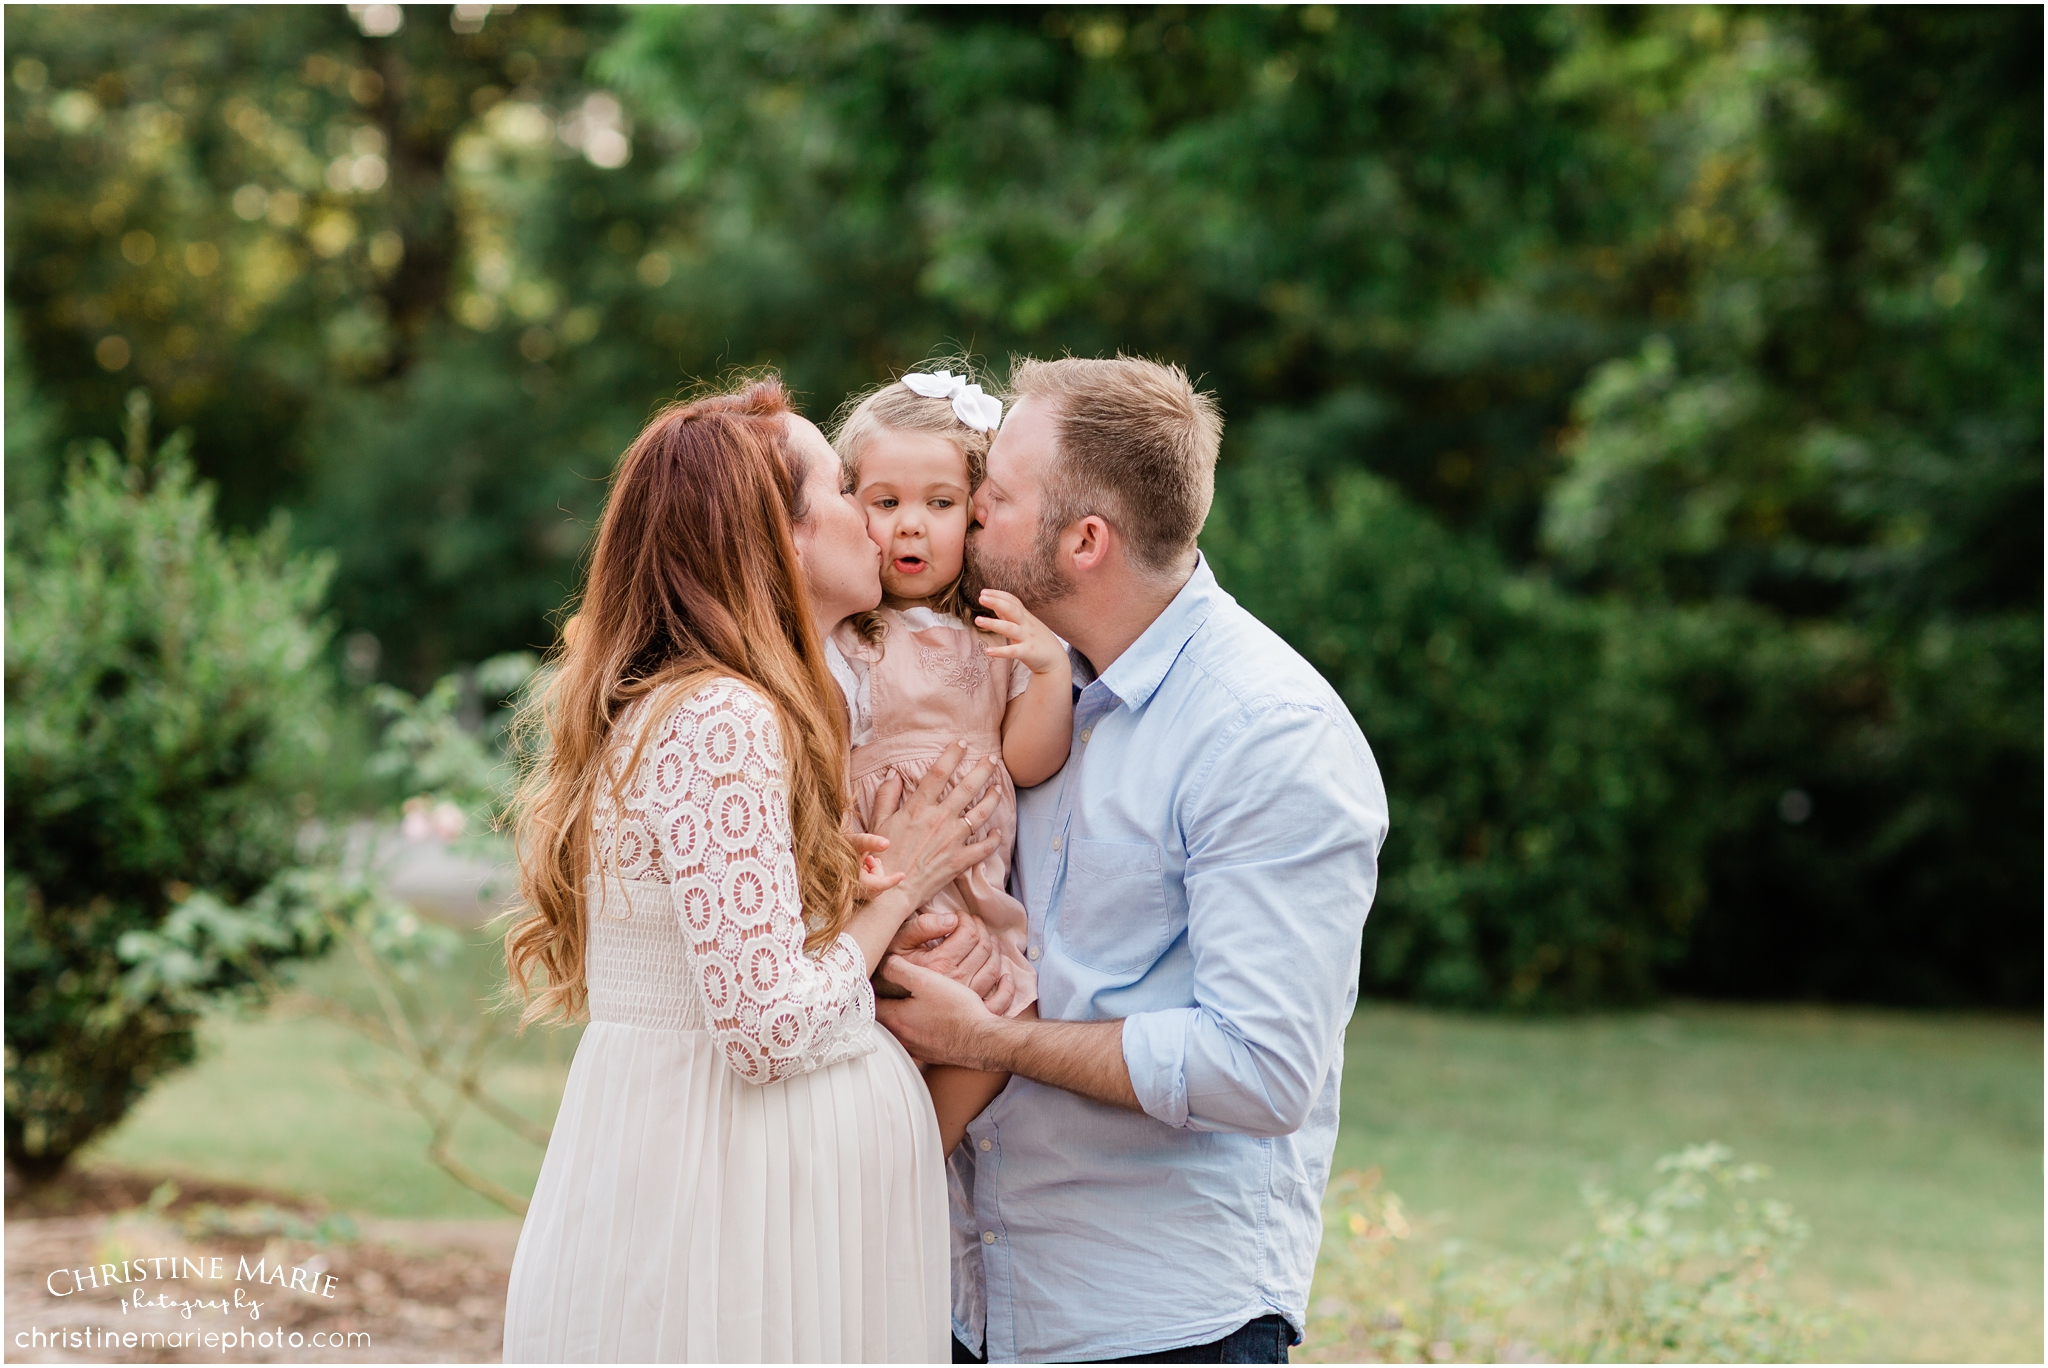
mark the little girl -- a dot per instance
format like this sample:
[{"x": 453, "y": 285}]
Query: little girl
[{"x": 919, "y": 674}]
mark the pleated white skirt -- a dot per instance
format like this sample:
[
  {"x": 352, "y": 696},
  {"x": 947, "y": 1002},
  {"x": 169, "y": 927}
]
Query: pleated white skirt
[{"x": 683, "y": 1215}]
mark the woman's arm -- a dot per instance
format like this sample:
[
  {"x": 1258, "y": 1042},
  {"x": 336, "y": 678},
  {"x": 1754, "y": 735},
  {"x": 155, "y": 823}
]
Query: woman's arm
[
  {"x": 1038, "y": 726},
  {"x": 775, "y": 1010}
]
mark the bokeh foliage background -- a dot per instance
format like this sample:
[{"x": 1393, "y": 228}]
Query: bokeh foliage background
[{"x": 1635, "y": 414}]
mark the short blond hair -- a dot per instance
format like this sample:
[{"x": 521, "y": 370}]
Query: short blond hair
[
  {"x": 1137, "y": 447},
  {"x": 895, "y": 407}
]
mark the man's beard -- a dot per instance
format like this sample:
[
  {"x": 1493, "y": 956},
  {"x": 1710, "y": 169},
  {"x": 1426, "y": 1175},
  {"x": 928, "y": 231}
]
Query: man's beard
[{"x": 1034, "y": 577}]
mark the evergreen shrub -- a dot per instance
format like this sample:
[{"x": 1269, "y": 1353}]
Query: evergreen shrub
[{"x": 167, "y": 702}]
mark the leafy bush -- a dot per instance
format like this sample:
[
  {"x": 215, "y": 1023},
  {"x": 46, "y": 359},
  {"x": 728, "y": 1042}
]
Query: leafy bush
[
  {"x": 1876, "y": 806},
  {"x": 1663, "y": 1280},
  {"x": 1541, "y": 851},
  {"x": 1380, "y": 1297},
  {"x": 1694, "y": 1272},
  {"x": 165, "y": 701},
  {"x": 1594, "y": 800}
]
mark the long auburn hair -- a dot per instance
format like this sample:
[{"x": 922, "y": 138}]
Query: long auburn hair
[{"x": 695, "y": 577}]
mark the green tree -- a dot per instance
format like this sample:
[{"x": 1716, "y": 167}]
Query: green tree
[
  {"x": 1838, "y": 423},
  {"x": 166, "y": 703},
  {"x": 1842, "y": 409},
  {"x": 1545, "y": 851},
  {"x": 251, "y": 212},
  {"x": 1716, "y": 330}
]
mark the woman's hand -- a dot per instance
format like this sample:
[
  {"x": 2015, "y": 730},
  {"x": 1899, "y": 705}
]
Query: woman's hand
[
  {"x": 1031, "y": 641},
  {"x": 931, "y": 835}
]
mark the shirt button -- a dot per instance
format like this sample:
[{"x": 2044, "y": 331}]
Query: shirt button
[
  {"x": 1055, "y": 843},
  {"x": 988, "y": 1237},
  {"x": 987, "y": 1144},
  {"x": 1033, "y": 952},
  {"x": 1086, "y": 732}
]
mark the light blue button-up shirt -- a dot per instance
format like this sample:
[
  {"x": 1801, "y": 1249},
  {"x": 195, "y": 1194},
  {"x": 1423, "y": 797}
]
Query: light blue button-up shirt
[{"x": 1201, "y": 868}]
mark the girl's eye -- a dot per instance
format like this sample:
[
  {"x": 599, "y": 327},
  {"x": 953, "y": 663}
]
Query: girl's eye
[
  {"x": 885, "y": 503},
  {"x": 942, "y": 503}
]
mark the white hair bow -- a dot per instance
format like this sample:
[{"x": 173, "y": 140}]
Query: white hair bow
[{"x": 982, "y": 412}]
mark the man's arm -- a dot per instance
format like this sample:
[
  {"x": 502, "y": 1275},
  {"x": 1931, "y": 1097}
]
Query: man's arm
[
  {"x": 942, "y": 1022},
  {"x": 1283, "y": 820},
  {"x": 1283, "y": 831}
]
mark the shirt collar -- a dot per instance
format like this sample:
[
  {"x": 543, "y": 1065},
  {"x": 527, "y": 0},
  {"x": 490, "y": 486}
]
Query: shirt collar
[{"x": 1139, "y": 671}]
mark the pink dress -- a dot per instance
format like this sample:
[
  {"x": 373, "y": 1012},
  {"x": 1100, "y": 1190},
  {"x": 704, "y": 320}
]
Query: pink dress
[{"x": 923, "y": 687}]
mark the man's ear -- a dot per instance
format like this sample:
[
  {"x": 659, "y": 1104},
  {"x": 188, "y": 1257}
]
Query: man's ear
[{"x": 1091, "y": 548}]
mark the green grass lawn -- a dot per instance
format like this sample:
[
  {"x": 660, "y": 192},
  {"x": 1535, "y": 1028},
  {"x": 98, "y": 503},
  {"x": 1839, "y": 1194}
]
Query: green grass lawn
[
  {"x": 297, "y": 1102},
  {"x": 1912, "y": 1143}
]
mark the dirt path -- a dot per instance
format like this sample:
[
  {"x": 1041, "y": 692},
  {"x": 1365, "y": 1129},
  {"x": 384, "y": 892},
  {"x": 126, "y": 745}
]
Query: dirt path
[{"x": 391, "y": 1290}]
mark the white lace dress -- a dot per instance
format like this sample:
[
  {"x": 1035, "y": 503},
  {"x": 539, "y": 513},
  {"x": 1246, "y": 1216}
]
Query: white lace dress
[{"x": 745, "y": 1167}]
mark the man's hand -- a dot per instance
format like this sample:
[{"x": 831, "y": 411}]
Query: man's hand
[
  {"x": 970, "y": 955},
  {"x": 942, "y": 1022}
]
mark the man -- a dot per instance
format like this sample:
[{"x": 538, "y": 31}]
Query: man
[{"x": 1196, "y": 878}]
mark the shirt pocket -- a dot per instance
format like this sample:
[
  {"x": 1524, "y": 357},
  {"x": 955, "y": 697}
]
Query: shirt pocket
[{"x": 1113, "y": 910}]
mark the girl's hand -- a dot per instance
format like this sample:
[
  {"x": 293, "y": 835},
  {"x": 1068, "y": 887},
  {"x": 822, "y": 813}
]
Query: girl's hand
[
  {"x": 873, "y": 880},
  {"x": 1031, "y": 641}
]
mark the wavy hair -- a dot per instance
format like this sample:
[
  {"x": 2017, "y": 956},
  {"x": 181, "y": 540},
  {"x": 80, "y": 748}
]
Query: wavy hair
[{"x": 694, "y": 577}]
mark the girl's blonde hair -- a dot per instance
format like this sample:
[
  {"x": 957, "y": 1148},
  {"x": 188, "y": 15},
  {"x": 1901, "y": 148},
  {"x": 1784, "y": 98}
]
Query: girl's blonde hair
[
  {"x": 695, "y": 577},
  {"x": 895, "y": 407}
]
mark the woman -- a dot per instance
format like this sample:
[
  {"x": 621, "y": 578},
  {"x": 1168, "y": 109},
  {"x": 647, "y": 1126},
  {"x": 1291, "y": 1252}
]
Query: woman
[{"x": 745, "y": 1167}]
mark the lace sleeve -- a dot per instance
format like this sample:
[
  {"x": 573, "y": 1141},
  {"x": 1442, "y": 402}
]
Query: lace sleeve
[{"x": 719, "y": 796}]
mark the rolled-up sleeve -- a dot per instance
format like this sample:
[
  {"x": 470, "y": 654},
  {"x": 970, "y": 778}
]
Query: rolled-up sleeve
[{"x": 1283, "y": 827}]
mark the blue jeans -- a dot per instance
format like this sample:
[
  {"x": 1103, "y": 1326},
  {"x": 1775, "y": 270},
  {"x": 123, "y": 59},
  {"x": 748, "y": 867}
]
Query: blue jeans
[{"x": 1264, "y": 1340}]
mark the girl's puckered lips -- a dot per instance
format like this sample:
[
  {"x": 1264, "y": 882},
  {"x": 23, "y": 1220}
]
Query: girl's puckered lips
[{"x": 911, "y": 565}]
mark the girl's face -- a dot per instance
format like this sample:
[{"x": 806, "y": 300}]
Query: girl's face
[{"x": 913, "y": 488}]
